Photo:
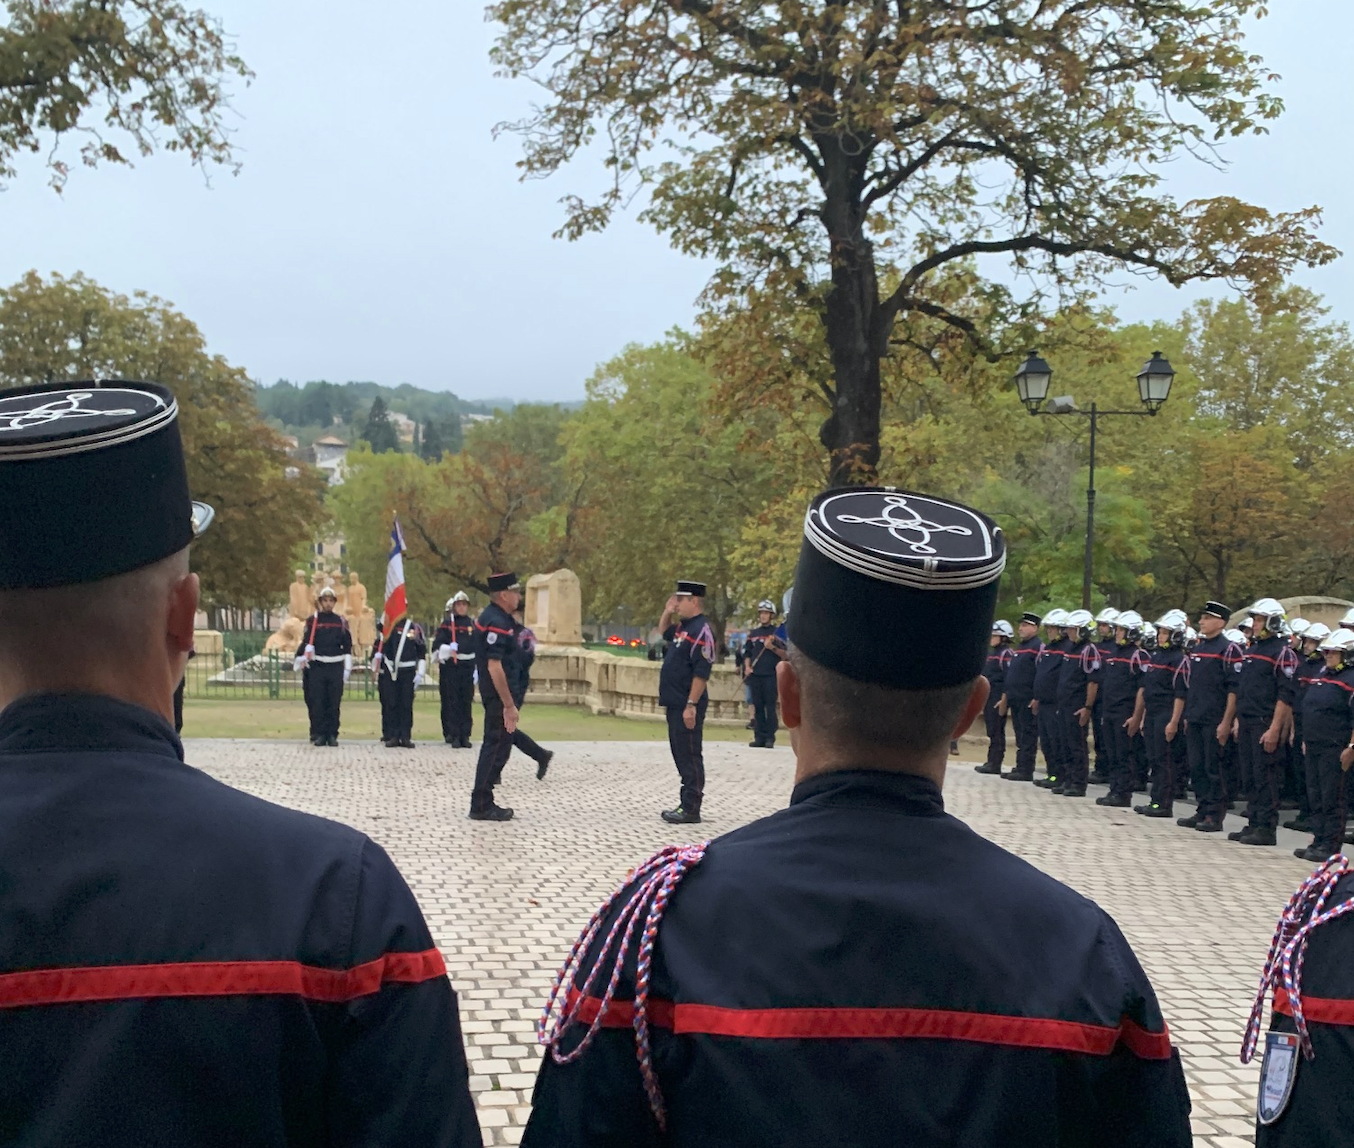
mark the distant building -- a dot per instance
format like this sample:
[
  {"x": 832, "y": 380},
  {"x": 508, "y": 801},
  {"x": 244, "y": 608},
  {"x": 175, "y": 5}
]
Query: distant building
[
  {"x": 404, "y": 426},
  {"x": 469, "y": 419},
  {"x": 331, "y": 456}
]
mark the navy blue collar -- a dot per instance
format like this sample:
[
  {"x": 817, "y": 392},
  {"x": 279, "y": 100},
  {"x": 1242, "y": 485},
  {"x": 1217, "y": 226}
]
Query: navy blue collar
[
  {"x": 917, "y": 796},
  {"x": 44, "y": 723}
]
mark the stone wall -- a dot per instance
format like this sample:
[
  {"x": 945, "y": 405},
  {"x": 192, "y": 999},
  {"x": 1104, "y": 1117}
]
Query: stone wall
[{"x": 625, "y": 687}]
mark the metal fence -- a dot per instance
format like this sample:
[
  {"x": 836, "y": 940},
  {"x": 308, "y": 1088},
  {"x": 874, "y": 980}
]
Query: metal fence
[{"x": 245, "y": 670}]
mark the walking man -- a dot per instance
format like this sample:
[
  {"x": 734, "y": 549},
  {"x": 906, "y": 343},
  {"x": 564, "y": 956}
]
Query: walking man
[
  {"x": 499, "y": 652},
  {"x": 325, "y": 659},
  {"x": 761, "y": 655},
  {"x": 682, "y": 681}
]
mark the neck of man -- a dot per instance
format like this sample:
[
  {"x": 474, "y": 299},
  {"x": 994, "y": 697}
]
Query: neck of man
[
  {"x": 814, "y": 756},
  {"x": 150, "y": 687}
]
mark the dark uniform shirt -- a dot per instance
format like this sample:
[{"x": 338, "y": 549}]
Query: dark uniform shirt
[
  {"x": 862, "y": 969},
  {"x": 1081, "y": 662},
  {"x": 519, "y": 668},
  {"x": 1309, "y": 669},
  {"x": 1021, "y": 669},
  {"x": 403, "y": 649},
  {"x": 199, "y": 967},
  {"x": 1328, "y": 708},
  {"x": 1119, "y": 677},
  {"x": 759, "y": 651},
  {"x": 1210, "y": 680},
  {"x": 994, "y": 670},
  {"x": 1163, "y": 681},
  {"x": 1265, "y": 677},
  {"x": 690, "y": 654},
  {"x": 497, "y": 641},
  {"x": 1048, "y": 670},
  {"x": 329, "y": 634},
  {"x": 459, "y": 629}
]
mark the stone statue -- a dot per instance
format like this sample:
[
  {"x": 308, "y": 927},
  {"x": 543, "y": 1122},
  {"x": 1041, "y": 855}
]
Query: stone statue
[
  {"x": 287, "y": 637},
  {"x": 361, "y": 618},
  {"x": 299, "y": 599}
]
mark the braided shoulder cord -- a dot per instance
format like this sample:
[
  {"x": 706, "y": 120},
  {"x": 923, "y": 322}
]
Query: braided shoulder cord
[
  {"x": 1286, "y": 663},
  {"x": 1183, "y": 669},
  {"x": 1306, "y": 910},
  {"x": 1233, "y": 656},
  {"x": 653, "y": 883},
  {"x": 1090, "y": 658}
]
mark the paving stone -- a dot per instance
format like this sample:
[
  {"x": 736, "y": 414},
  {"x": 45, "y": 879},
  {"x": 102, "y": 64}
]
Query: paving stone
[{"x": 506, "y": 901}]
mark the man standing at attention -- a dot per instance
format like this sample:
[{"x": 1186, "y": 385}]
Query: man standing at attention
[
  {"x": 761, "y": 656},
  {"x": 861, "y": 968},
  {"x": 325, "y": 657},
  {"x": 687, "y": 660},
  {"x": 180, "y": 963}
]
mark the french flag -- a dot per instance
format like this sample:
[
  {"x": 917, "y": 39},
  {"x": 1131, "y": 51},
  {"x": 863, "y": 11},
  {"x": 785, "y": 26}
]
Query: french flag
[{"x": 396, "y": 605}]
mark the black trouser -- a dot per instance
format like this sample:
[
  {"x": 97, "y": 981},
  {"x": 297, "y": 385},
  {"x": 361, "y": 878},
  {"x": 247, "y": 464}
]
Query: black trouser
[
  {"x": 519, "y": 740},
  {"x": 495, "y": 749},
  {"x": 1261, "y": 774},
  {"x": 1026, "y": 727},
  {"x": 1074, "y": 747},
  {"x": 1137, "y": 759},
  {"x": 1205, "y": 766},
  {"x": 686, "y": 753},
  {"x": 1101, "y": 742},
  {"x": 1231, "y": 771},
  {"x": 764, "y": 698},
  {"x": 383, "y": 695},
  {"x": 1161, "y": 754},
  {"x": 178, "y": 706},
  {"x": 1051, "y": 738},
  {"x": 1119, "y": 747},
  {"x": 1297, "y": 760},
  {"x": 456, "y": 687},
  {"x": 1326, "y": 795},
  {"x": 996, "y": 731},
  {"x": 323, "y": 690},
  {"x": 401, "y": 694}
]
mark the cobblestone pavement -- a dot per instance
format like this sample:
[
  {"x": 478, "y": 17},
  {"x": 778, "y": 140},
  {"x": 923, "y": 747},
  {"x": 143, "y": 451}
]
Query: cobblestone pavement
[{"x": 505, "y": 901}]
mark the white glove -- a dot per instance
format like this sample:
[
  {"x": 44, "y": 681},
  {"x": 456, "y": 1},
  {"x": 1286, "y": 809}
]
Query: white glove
[
  {"x": 347, "y": 667},
  {"x": 441, "y": 654},
  {"x": 376, "y": 664},
  {"x": 419, "y": 671},
  {"x": 299, "y": 664},
  {"x": 310, "y": 652},
  {"x": 475, "y": 678},
  {"x": 452, "y": 646}
]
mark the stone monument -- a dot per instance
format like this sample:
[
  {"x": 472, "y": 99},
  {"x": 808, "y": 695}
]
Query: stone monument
[
  {"x": 554, "y": 608},
  {"x": 361, "y": 617},
  {"x": 299, "y": 599}
]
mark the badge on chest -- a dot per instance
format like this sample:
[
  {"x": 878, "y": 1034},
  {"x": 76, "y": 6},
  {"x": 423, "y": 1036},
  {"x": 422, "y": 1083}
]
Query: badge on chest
[{"x": 1277, "y": 1074}]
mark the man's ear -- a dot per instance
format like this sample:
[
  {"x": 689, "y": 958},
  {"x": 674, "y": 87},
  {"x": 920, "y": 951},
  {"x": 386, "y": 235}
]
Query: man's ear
[
  {"x": 183, "y": 601},
  {"x": 972, "y": 708},
  {"x": 787, "y": 685}
]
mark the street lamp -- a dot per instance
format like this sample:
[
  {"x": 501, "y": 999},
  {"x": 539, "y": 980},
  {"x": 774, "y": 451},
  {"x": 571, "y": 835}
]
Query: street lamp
[{"x": 1032, "y": 382}]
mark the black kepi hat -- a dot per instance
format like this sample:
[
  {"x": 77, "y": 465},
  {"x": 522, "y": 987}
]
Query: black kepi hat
[
  {"x": 92, "y": 482},
  {"x": 1217, "y": 609},
  {"x": 504, "y": 581},
  {"x": 921, "y": 573},
  {"x": 1032, "y": 618},
  {"x": 695, "y": 589}
]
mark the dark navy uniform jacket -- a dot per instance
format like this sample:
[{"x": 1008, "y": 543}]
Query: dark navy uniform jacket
[
  {"x": 1119, "y": 678},
  {"x": 757, "y": 654},
  {"x": 863, "y": 969},
  {"x": 1020, "y": 671},
  {"x": 1162, "y": 680},
  {"x": 184, "y": 964},
  {"x": 519, "y": 668},
  {"x": 1047, "y": 671},
  {"x": 1078, "y": 669},
  {"x": 496, "y": 633},
  {"x": 690, "y": 654},
  {"x": 1210, "y": 680},
  {"x": 1328, "y": 708},
  {"x": 403, "y": 649},
  {"x": 994, "y": 670},
  {"x": 329, "y": 634},
  {"x": 1263, "y": 678},
  {"x": 1308, "y": 670},
  {"x": 461, "y": 630}
]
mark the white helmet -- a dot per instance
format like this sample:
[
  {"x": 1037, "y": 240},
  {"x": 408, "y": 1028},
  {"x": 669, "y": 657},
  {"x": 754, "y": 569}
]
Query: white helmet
[
  {"x": 1130, "y": 621},
  {"x": 1348, "y": 619},
  {"x": 1055, "y": 618},
  {"x": 1108, "y": 615},
  {"x": 1174, "y": 623},
  {"x": 1003, "y": 627},
  {"x": 1267, "y": 610},
  {"x": 1191, "y": 635},
  {"x": 1318, "y": 631},
  {"x": 767, "y": 604},
  {"x": 1341, "y": 639},
  {"x": 1298, "y": 627},
  {"x": 1236, "y": 637},
  {"x": 1079, "y": 620},
  {"x": 459, "y": 596}
]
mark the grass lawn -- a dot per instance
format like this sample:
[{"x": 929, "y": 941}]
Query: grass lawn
[{"x": 258, "y": 717}]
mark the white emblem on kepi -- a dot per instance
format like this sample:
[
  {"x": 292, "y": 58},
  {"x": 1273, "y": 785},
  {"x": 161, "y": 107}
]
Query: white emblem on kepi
[{"x": 1277, "y": 1074}]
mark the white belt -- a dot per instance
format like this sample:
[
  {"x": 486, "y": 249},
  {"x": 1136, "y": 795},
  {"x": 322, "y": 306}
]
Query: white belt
[
  {"x": 405, "y": 665},
  {"x": 330, "y": 657},
  {"x": 462, "y": 657}
]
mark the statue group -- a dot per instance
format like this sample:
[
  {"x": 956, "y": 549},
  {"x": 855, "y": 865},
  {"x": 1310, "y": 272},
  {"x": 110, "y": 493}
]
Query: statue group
[{"x": 301, "y": 598}]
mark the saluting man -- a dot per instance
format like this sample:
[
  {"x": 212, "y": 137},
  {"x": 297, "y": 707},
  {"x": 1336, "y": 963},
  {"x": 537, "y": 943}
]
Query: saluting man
[
  {"x": 325, "y": 658},
  {"x": 761, "y": 655},
  {"x": 180, "y": 963},
  {"x": 687, "y": 661},
  {"x": 1019, "y": 688},
  {"x": 404, "y": 660},
  {"x": 454, "y": 650},
  {"x": 862, "y": 938}
]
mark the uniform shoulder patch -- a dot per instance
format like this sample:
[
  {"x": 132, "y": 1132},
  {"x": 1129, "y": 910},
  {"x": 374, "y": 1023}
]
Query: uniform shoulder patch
[
  {"x": 492, "y": 638},
  {"x": 1277, "y": 1074}
]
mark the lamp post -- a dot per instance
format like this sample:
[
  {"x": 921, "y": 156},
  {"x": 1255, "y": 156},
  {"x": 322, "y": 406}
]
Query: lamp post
[{"x": 1032, "y": 383}]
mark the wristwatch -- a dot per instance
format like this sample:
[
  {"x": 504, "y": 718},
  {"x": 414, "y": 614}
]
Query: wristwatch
[{"x": 692, "y": 704}]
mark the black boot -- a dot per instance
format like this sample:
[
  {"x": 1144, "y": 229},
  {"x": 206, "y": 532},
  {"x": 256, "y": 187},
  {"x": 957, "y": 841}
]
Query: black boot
[
  {"x": 680, "y": 816},
  {"x": 987, "y": 768},
  {"x": 1117, "y": 800},
  {"x": 544, "y": 764},
  {"x": 491, "y": 813},
  {"x": 1016, "y": 775}
]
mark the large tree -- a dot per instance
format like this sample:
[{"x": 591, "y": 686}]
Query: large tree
[
  {"x": 265, "y": 503},
  {"x": 126, "y": 76},
  {"x": 851, "y": 155}
]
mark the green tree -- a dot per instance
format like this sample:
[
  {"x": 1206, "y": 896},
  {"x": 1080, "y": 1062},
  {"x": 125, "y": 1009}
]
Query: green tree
[
  {"x": 130, "y": 76},
  {"x": 61, "y": 328},
  {"x": 378, "y": 431},
  {"x": 810, "y": 147}
]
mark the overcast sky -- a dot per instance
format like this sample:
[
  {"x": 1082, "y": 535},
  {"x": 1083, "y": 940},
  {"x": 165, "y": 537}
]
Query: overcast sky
[{"x": 378, "y": 232}]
